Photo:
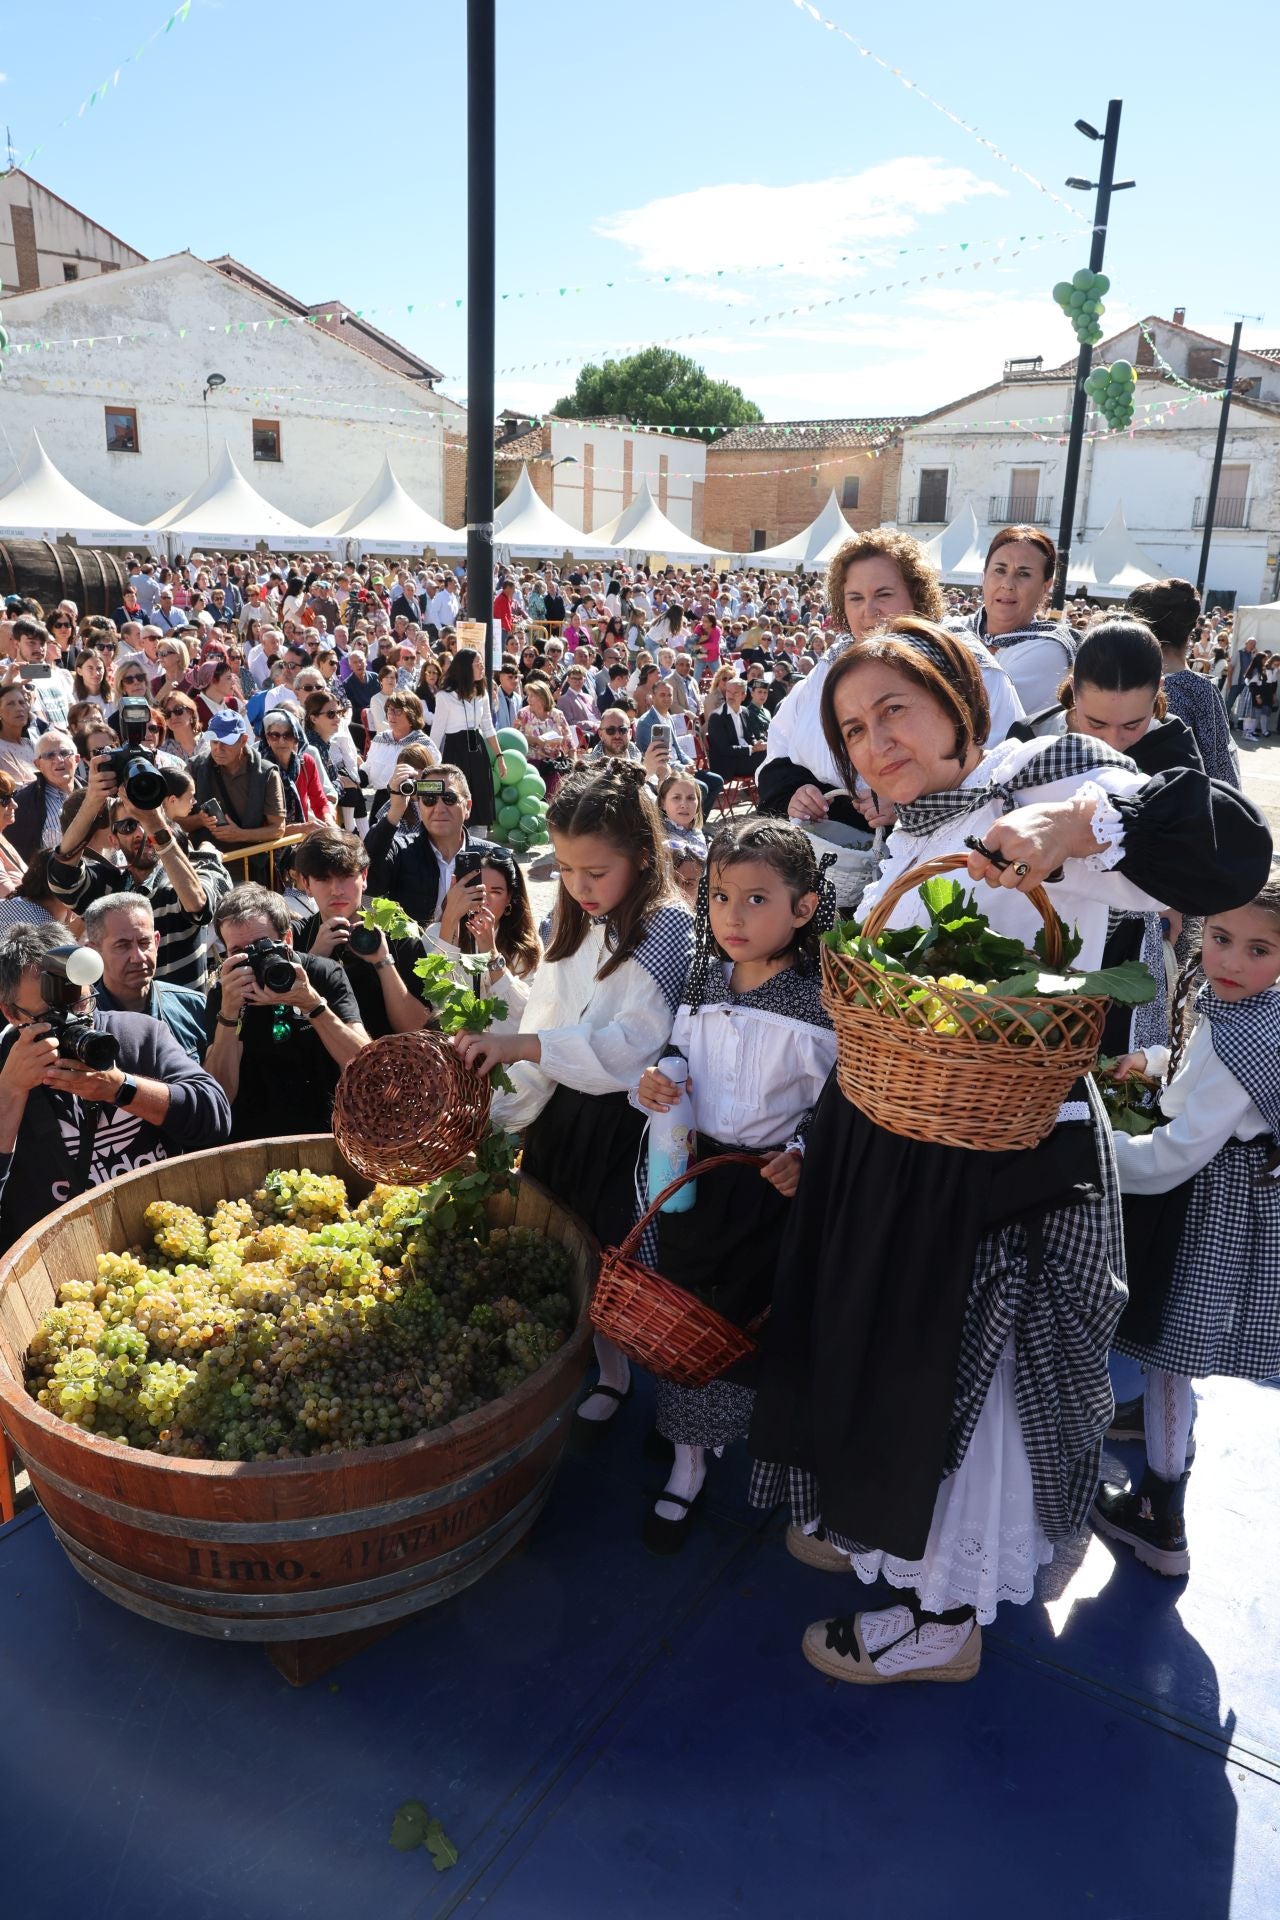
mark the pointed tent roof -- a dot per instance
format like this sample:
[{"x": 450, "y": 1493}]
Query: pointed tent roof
[
  {"x": 956, "y": 552},
  {"x": 40, "y": 503},
  {"x": 525, "y": 524},
  {"x": 386, "y": 519},
  {"x": 644, "y": 528},
  {"x": 814, "y": 546},
  {"x": 226, "y": 511},
  {"x": 1114, "y": 563}
]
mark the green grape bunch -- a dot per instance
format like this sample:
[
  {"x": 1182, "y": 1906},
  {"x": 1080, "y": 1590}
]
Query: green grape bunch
[
  {"x": 1112, "y": 391},
  {"x": 1080, "y": 298},
  {"x": 293, "y": 1324}
]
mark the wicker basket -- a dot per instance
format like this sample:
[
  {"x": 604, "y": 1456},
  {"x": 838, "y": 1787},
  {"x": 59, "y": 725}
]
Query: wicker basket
[
  {"x": 657, "y": 1324},
  {"x": 407, "y": 1109},
  {"x": 994, "y": 1094}
]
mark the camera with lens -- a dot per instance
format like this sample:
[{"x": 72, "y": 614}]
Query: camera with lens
[
  {"x": 66, "y": 973},
  {"x": 405, "y": 786},
  {"x": 134, "y": 764},
  {"x": 364, "y": 940},
  {"x": 272, "y": 964}
]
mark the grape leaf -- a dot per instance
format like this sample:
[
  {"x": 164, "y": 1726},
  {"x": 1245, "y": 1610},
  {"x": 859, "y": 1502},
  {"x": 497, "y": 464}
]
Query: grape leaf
[
  {"x": 411, "y": 1826},
  {"x": 390, "y": 917},
  {"x": 441, "y": 1848}
]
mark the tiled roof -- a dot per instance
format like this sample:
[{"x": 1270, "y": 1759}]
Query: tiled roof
[{"x": 771, "y": 436}]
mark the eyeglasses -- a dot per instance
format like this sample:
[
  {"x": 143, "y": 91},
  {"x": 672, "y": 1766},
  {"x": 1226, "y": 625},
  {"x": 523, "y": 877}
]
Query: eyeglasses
[
  {"x": 58, "y": 753},
  {"x": 126, "y": 828},
  {"x": 277, "y": 733},
  {"x": 133, "y": 680},
  {"x": 615, "y": 733},
  {"x": 59, "y": 623},
  {"x": 438, "y": 797},
  {"x": 330, "y": 713},
  {"x": 174, "y": 713},
  {"x": 152, "y": 730}
]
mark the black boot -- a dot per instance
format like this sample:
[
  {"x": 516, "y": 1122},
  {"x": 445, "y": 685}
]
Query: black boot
[
  {"x": 1149, "y": 1520},
  {"x": 1128, "y": 1422}
]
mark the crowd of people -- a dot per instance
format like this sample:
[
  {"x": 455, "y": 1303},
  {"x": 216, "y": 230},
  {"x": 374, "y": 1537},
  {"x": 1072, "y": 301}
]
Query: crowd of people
[{"x": 207, "y": 788}]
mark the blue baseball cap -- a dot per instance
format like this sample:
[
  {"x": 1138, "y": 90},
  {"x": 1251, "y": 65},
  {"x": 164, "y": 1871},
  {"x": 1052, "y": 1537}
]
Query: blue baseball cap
[{"x": 228, "y": 728}]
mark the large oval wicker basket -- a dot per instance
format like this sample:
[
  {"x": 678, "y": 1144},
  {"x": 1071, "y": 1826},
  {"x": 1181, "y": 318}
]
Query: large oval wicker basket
[
  {"x": 407, "y": 1109},
  {"x": 995, "y": 1088}
]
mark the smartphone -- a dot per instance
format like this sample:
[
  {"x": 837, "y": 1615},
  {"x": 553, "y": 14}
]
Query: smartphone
[
  {"x": 468, "y": 862},
  {"x": 660, "y": 734},
  {"x": 35, "y": 670},
  {"x": 212, "y": 810}
]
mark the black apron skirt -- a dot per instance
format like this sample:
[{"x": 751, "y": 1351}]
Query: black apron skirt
[
  {"x": 466, "y": 751},
  {"x": 582, "y": 1148}
]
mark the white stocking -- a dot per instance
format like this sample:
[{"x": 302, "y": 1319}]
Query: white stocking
[
  {"x": 686, "y": 1478},
  {"x": 615, "y": 1371},
  {"x": 1167, "y": 1404}
]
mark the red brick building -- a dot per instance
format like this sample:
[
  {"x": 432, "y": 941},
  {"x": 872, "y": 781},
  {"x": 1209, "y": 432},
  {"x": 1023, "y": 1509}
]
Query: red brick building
[{"x": 766, "y": 482}]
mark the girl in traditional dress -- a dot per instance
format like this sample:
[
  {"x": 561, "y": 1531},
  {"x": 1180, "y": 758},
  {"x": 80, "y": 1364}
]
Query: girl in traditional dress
[
  {"x": 600, "y": 1009},
  {"x": 759, "y": 1046},
  {"x": 1202, "y": 1219},
  {"x": 934, "y": 1392}
]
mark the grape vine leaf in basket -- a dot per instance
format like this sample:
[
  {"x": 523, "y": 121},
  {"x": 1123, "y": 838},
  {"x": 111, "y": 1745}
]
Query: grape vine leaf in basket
[
  {"x": 1129, "y": 985},
  {"x": 389, "y": 917}
]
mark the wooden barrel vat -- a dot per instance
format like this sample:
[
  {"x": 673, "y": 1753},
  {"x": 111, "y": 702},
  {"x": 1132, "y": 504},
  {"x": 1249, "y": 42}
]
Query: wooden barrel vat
[
  {"x": 281, "y": 1550},
  {"x": 49, "y": 571}
]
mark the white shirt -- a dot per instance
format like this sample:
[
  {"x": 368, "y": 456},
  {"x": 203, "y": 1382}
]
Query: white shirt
[
  {"x": 735, "y": 715},
  {"x": 442, "y": 608},
  {"x": 453, "y": 715},
  {"x": 795, "y": 732},
  {"x": 1206, "y": 1106},
  {"x": 1082, "y": 898},
  {"x": 755, "y": 1074},
  {"x": 597, "y": 1036},
  {"x": 508, "y": 986}
]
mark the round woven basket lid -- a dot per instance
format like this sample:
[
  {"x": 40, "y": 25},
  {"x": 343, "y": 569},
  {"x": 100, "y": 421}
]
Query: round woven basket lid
[{"x": 407, "y": 1109}]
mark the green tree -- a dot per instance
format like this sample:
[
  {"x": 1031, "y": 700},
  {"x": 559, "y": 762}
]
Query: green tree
[{"x": 658, "y": 388}]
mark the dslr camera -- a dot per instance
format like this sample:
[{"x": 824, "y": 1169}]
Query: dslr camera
[
  {"x": 272, "y": 964},
  {"x": 65, "y": 974},
  {"x": 134, "y": 764}
]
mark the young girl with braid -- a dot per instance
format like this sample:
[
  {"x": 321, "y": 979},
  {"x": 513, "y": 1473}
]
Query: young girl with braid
[
  {"x": 760, "y": 1045},
  {"x": 1202, "y": 1216},
  {"x": 600, "y": 1008}
]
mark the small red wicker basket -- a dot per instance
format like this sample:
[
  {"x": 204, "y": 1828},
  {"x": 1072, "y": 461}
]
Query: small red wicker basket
[
  {"x": 660, "y": 1326},
  {"x": 408, "y": 1110}
]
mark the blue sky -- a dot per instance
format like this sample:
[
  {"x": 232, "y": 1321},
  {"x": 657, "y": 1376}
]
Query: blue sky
[{"x": 324, "y": 145}]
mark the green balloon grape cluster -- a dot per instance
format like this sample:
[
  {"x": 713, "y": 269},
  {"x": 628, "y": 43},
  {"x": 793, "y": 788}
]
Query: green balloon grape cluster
[
  {"x": 1080, "y": 298},
  {"x": 1111, "y": 390},
  {"x": 521, "y": 795}
]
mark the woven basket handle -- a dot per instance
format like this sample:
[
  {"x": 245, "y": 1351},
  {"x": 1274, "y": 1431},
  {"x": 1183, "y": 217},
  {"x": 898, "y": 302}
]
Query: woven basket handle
[
  {"x": 636, "y": 1235},
  {"x": 877, "y": 919}
]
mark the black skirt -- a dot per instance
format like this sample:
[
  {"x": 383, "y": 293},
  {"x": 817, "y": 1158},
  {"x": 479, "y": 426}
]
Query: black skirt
[
  {"x": 582, "y": 1148},
  {"x": 1153, "y": 1224},
  {"x": 725, "y": 1248},
  {"x": 466, "y": 751},
  {"x": 862, "y": 1350}
]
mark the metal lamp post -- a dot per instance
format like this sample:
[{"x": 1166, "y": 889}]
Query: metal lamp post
[
  {"x": 211, "y": 381},
  {"x": 1211, "y": 504},
  {"x": 481, "y": 197}
]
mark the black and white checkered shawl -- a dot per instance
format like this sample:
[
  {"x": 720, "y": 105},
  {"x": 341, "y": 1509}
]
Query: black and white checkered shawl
[
  {"x": 1070, "y": 756},
  {"x": 1246, "y": 1038},
  {"x": 976, "y": 624}
]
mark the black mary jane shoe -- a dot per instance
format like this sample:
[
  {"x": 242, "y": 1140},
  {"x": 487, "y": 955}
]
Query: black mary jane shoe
[
  {"x": 666, "y": 1537},
  {"x": 587, "y": 1434}
]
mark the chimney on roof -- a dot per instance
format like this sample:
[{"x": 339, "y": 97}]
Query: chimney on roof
[{"x": 1179, "y": 316}]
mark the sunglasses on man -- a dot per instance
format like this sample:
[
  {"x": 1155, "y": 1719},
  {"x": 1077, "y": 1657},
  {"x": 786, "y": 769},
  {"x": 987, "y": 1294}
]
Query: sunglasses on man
[{"x": 437, "y": 796}]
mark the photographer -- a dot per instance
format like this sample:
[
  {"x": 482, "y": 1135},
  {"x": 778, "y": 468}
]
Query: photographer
[
  {"x": 332, "y": 867},
  {"x": 417, "y": 869},
  {"x": 182, "y": 886},
  {"x": 66, "y": 1125},
  {"x": 280, "y": 1028}
]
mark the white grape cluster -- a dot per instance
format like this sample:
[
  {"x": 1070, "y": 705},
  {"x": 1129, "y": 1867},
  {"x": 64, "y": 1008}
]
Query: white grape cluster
[
  {"x": 1080, "y": 298},
  {"x": 1112, "y": 391},
  {"x": 288, "y": 1324}
]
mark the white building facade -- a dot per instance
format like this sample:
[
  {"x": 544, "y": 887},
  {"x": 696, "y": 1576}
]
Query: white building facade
[
  {"x": 45, "y": 242},
  {"x": 1004, "y": 450},
  {"x": 133, "y": 421},
  {"x": 599, "y": 470}
]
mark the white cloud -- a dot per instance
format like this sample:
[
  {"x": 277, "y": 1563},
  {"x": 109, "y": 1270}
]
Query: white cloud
[{"x": 741, "y": 224}]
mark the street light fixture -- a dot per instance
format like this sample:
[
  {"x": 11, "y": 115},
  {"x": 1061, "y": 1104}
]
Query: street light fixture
[{"x": 211, "y": 381}]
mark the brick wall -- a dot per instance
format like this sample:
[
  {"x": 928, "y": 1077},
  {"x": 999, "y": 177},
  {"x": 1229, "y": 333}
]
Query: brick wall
[
  {"x": 746, "y": 491},
  {"x": 455, "y": 480}
]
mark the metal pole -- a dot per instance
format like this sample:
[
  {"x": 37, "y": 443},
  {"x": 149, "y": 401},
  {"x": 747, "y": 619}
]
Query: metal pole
[
  {"x": 481, "y": 195},
  {"x": 1080, "y": 403},
  {"x": 208, "y": 455},
  {"x": 1212, "y": 502}
]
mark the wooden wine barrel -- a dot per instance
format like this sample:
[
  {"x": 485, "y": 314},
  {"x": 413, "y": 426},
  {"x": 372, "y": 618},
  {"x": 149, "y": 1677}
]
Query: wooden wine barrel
[
  {"x": 281, "y": 1550},
  {"x": 49, "y": 571}
]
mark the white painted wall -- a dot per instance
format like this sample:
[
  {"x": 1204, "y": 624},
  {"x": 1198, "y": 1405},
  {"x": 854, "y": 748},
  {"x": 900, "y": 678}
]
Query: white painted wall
[
  {"x": 63, "y": 236},
  {"x": 1156, "y": 476},
  {"x": 686, "y": 468},
  {"x": 333, "y": 404}
]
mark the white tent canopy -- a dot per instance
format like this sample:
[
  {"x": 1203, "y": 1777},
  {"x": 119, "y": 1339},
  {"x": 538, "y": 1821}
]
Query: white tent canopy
[
  {"x": 814, "y": 547},
  {"x": 1114, "y": 563},
  {"x": 226, "y": 512},
  {"x": 525, "y": 525},
  {"x": 957, "y": 552},
  {"x": 644, "y": 528},
  {"x": 386, "y": 519},
  {"x": 40, "y": 503},
  {"x": 1250, "y": 623}
]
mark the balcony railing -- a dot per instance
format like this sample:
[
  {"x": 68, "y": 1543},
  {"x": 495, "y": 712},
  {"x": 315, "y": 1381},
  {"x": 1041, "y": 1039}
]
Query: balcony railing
[
  {"x": 1228, "y": 511},
  {"x": 1019, "y": 510},
  {"x": 929, "y": 513}
]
